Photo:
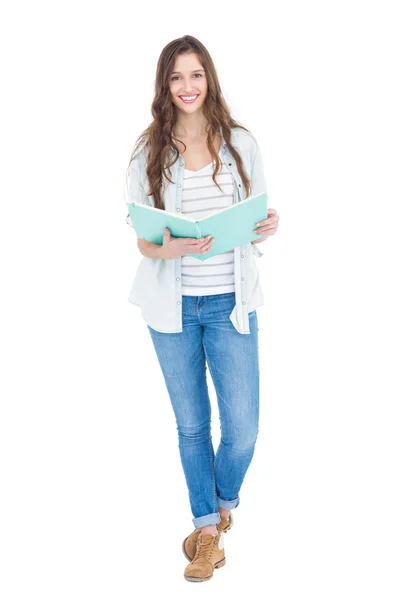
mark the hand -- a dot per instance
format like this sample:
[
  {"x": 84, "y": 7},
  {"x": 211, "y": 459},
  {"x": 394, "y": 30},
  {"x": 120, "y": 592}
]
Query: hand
[
  {"x": 174, "y": 247},
  {"x": 269, "y": 225}
]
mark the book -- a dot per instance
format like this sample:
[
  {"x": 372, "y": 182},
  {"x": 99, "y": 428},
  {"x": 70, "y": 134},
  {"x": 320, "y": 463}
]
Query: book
[{"x": 231, "y": 226}]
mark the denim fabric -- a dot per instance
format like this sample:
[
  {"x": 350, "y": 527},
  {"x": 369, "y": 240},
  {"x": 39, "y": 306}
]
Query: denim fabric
[{"x": 209, "y": 338}]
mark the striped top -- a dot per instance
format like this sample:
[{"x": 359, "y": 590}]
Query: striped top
[{"x": 201, "y": 198}]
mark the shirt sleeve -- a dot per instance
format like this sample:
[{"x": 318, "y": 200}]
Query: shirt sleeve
[
  {"x": 258, "y": 186},
  {"x": 134, "y": 189}
]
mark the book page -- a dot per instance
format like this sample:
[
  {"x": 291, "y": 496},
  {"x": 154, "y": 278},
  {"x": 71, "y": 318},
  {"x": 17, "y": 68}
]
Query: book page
[{"x": 167, "y": 212}]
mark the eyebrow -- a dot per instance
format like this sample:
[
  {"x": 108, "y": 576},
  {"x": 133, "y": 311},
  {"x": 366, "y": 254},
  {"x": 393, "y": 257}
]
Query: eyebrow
[{"x": 195, "y": 71}]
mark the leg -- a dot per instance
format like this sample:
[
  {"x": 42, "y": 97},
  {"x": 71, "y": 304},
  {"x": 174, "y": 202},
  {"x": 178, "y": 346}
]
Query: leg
[
  {"x": 232, "y": 358},
  {"x": 182, "y": 360}
]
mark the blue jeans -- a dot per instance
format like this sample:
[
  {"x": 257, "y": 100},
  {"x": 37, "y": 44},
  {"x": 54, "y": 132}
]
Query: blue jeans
[{"x": 232, "y": 357}]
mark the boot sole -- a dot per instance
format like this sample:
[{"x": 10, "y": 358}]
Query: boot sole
[{"x": 217, "y": 565}]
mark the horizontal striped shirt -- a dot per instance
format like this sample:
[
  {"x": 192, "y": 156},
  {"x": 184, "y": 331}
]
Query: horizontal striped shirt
[{"x": 201, "y": 198}]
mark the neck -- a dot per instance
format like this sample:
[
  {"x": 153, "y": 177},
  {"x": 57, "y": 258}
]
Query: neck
[{"x": 190, "y": 126}]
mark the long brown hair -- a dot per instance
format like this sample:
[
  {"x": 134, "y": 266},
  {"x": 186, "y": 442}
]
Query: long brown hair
[{"x": 158, "y": 138}]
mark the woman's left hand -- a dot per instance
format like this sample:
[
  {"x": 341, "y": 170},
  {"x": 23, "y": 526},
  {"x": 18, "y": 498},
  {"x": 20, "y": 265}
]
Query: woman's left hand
[{"x": 269, "y": 225}]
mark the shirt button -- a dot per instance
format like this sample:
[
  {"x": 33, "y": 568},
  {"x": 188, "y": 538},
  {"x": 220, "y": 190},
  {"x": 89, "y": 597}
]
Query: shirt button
[
  {"x": 178, "y": 302},
  {"x": 242, "y": 255},
  {"x": 242, "y": 278},
  {"x": 230, "y": 164},
  {"x": 178, "y": 209},
  {"x": 243, "y": 302},
  {"x": 177, "y": 278},
  {"x": 179, "y": 185}
]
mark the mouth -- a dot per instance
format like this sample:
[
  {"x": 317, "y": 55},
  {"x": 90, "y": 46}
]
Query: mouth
[{"x": 189, "y": 99}]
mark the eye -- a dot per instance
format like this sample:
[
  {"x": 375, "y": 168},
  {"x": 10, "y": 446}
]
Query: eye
[{"x": 197, "y": 75}]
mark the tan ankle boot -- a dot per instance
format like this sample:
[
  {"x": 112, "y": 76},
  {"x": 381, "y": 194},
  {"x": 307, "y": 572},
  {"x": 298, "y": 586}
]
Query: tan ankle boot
[
  {"x": 189, "y": 543},
  {"x": 210, "y": 555}
]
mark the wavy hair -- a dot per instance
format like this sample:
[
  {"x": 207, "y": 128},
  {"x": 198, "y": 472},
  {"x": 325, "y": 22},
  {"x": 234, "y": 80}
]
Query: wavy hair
[{"x": 158, "y": 138}]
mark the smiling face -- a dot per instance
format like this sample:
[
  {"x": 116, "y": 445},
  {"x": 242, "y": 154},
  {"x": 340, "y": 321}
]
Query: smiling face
[{"x": 188, "y": 80}]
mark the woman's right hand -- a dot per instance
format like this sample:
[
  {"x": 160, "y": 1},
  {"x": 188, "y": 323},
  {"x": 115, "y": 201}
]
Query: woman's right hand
[{"x": 175, "y": 247}]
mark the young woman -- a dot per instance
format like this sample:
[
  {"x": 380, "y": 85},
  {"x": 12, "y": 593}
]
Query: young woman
[{"x": 197, "y": 160}]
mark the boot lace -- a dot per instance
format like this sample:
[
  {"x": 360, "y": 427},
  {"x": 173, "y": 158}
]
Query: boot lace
[{"x": 204, "y": 549}]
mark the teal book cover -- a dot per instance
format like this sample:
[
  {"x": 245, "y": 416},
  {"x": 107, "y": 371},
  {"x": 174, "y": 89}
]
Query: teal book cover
[{"x": 232, "y": 226}]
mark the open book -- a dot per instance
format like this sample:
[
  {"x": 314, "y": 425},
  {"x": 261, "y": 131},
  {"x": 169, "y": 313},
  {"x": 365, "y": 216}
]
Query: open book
[{"x": 232, "y": 226}]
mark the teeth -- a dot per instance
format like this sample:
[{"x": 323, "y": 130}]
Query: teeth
[{"x": 188, "y": 97}]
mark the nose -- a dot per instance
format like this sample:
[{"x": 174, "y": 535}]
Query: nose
[{"x": 186, "y": 90}]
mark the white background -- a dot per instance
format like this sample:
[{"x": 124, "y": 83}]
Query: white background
[{"x": 93, "y": 501}]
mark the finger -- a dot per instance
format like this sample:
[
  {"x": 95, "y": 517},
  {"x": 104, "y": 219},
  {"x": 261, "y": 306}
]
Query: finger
[
  {"x": 207, "y": 245},
  {"x": 264, "y": 230},
  {"x": 206, "y": 248},
  {"x": 271, "y": 220},
  {"x": 198, "y": 244},
  {"x": 194, "y": 241},
  {"x": 271, "y": 211},
  {"x": 204, "y": 240}
]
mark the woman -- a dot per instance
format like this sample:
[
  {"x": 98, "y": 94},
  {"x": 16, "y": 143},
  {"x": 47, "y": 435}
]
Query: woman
[{"x": 197, "y": 160}]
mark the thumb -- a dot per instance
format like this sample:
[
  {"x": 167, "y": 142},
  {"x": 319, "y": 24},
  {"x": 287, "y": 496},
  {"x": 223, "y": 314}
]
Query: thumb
[{"x": 167, "y": 234}]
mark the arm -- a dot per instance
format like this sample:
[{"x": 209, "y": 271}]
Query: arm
[
  {"x": 136, "y": 193},
  {"x": 149, "y": 249},
  {"x": 134, "y": 185}
]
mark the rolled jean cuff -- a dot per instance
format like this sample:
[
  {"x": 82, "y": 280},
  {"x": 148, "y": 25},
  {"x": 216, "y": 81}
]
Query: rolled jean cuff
[
  {"x": 211, "y": 519},
  {"x": 228, "y": 504}
]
